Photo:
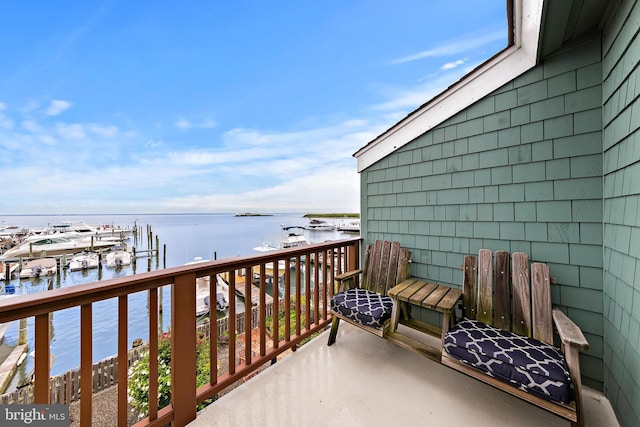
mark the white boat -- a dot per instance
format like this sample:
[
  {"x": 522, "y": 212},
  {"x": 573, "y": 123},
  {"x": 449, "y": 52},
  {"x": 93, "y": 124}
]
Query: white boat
[
  {"x": 118, "y": 256},
  {"x": 39, "y": 268},
  {"x": 84, "y": 261},
  {"x": 203, "y": 300},
  {"x": 292, "y": 239},
  {"x": 266, "y": 247},
  {"x": 350, "y": 227},
  {"x": 320, "y": 225},
  {"x": 101, "y": 232},
  {"x": 55, "y": 244}
]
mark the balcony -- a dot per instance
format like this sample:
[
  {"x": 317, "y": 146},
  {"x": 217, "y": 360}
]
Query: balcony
[
  {"x": 362, "y": 379},
  {"x": 369, "y": 381}
]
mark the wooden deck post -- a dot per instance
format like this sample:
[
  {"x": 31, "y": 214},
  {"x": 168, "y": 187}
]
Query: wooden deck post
[{"x": 183, "y": 348}]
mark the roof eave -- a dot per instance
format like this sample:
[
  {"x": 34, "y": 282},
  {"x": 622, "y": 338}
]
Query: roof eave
[{"x": 526, "y": 18}]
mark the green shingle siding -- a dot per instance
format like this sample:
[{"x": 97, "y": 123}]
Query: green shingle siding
[
  {"x": 520, "y": 115},
  {"x": 621, "y": 286},
  {"x": 558, "y": 127},
  {"x": 533, "y": 92},
  {"x": 520, "y": 170},
  {"x": 547, "y": 108},
  {"x": 520, "y": 154},
  {"x": 542, "y": 150},
  {"x": 564, "y": 83}
]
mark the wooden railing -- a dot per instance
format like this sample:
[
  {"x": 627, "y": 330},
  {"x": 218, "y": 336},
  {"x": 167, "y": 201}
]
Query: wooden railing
[{"x": 311, "y": 315}]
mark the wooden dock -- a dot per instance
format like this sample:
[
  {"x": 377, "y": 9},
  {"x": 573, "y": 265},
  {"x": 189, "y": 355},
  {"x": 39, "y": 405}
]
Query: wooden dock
[
  {"x": 9, "y": 366},
  {"x": 240, "y": 289}
]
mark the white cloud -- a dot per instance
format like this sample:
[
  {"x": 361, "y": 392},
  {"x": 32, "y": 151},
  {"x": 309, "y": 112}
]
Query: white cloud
[
  {"x": 472, "y": 42},
  {"x": 70, "y": 131},
  {"x": 182, "y": 123},
  {"x": 105, "y": 131},
  {"x": 329, "y": 190},
  {"x": 57, "y": 107},
  {"x": 31, "y": 126},
  {"x": 453, "y": 64}
]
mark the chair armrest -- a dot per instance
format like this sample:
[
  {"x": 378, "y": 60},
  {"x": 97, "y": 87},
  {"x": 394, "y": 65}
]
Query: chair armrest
[
  {"x": 345, "y": 277},
  {"x": 569, "y": 333}
]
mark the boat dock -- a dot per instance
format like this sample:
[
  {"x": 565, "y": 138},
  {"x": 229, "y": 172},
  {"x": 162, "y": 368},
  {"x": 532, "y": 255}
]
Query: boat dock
[
  {"x": 240, "y": 289},
  {"x": 10, "y": 364}
]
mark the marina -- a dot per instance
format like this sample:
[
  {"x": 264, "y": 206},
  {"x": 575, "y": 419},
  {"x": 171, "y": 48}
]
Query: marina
[{"x": 170, "y": 240}]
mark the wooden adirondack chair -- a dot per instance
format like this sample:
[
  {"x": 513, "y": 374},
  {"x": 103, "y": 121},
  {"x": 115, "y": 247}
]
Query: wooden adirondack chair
[
  {"x": 368, "y": 306},
  {"x": 502, "y": 306}
]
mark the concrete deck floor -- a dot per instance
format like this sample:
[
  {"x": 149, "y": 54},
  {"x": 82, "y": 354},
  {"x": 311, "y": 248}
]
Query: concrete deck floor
[{"x": 363, "y": 380}]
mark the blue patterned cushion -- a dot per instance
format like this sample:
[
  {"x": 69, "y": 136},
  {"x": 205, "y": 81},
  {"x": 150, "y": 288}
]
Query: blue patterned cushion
[
  {"x": 526, "y": 363},
  {"x": 363, "y": 306}
]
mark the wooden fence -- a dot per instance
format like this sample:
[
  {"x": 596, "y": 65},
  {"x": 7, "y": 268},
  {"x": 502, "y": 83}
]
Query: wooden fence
[{"x": 65, "y": 388}]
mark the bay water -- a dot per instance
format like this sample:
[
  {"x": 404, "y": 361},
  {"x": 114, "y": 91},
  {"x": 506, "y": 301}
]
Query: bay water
[{"x": 181, "y": 237}]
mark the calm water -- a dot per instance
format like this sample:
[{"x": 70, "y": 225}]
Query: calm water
[{"x": 186, "y": 236}]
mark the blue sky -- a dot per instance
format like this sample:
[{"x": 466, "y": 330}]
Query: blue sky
[{"x": 207, "y": 106}]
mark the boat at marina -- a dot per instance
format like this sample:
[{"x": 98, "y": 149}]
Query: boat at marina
[
  {"x": 118, "y": 256},
  {"x": 293, "y": 239},
  {"x": 349, "y": 227},
  {"x": 39, "y": 267},
  {"x": 84, "y": 261},
  {"x": 55, "y": 244},
  {"x": 203, "y": 299},
  {"x": 101, "y": 232},
  {"x": 320, "y": 225}
]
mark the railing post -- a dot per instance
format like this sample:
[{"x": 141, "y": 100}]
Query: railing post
[{"x": 183, "y": 348}]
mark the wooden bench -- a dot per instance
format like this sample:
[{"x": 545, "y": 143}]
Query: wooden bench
[
  {"x": 367, "y": 306},
  {"x": 502, "y": 305}
]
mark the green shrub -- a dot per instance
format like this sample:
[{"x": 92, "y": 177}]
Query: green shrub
[{"x": 138, "y": 390}]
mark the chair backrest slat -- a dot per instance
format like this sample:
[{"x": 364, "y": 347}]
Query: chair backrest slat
[
  {"x": 521, "y": 293},
  {"x": 391, "y": 269},
  {"x": 367, "y": 270},
  {"x": 501, "y": 292},
  {"x": 470, "y": 287},
  {"x": 485, "y": 286},
  {"x": 541, "y": 302},
  {"x": 386, "y": 264}
]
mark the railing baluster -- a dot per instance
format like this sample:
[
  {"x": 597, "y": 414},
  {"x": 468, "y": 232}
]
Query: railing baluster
[
  {"x": 307, "y": 292},
  {"x": 123, "y": 356},
  {"x": 153, "y": 353},
  {"x": 248, "y": 298},
  {"x": 298, "y": 303},
  {"x": 86, "y": 364},
  {"x": 316, "y": 287},
  {"x": 263, "y": 306},
  {"x": 287, "y": 300},
  {"x": 231, "y": 346},
  {"x": 42, "y": 363},
  {"x": 213, "y": 329},
  {"x": 276, "y": 303}
]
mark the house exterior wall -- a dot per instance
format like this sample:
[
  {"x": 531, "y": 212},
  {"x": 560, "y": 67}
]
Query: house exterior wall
[
  {"x": 520, "y": 170},
  {"x": 621, "y": 222}
]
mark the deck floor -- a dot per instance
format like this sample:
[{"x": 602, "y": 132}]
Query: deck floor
[{"x": 369, "y": 381}]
